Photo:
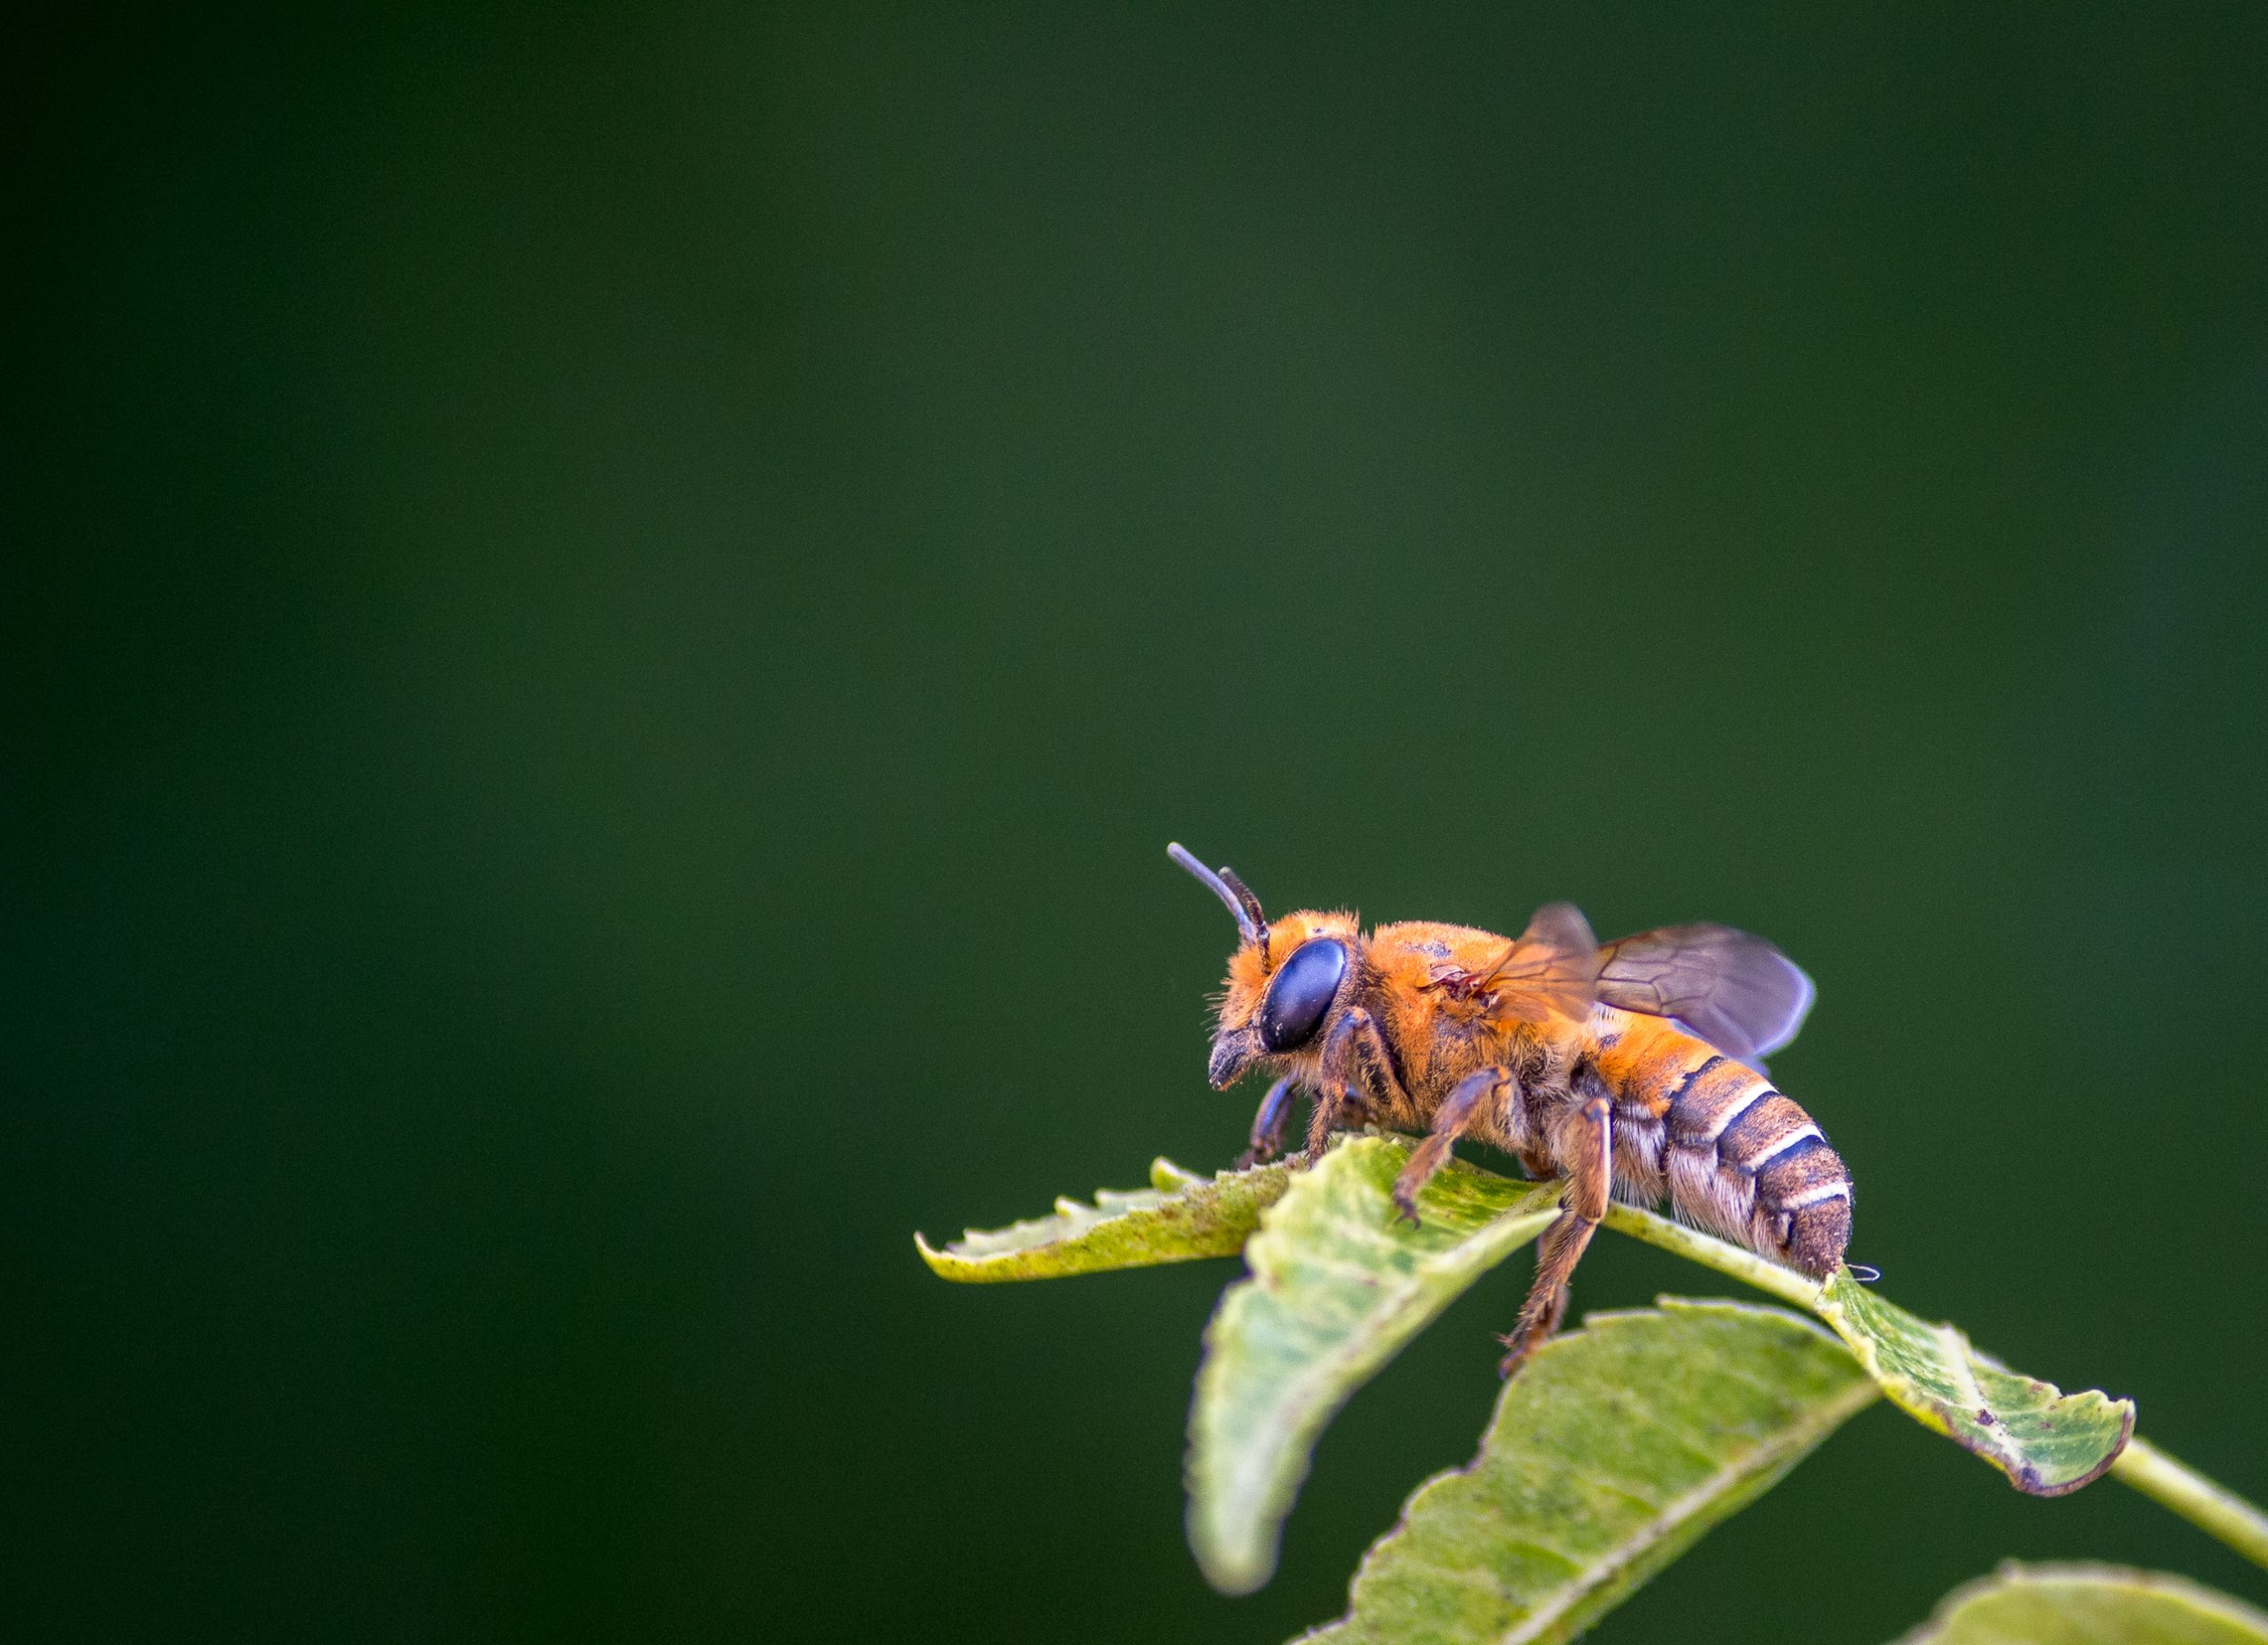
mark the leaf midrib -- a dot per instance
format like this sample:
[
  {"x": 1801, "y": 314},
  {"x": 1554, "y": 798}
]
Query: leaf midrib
[{"x": 1695, "y": 1499}]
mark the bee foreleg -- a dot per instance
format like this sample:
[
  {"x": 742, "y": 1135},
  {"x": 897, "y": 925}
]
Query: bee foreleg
[
  {"x": 1451, "y": 1121},
  {"x": 1268, "y": 1123},
  {"x": 1356, "y": 1065},
  {"x": 1589, "y": 1152}
]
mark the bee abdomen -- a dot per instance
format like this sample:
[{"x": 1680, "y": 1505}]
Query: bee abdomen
[
  {"x": 1802, "y": 1200},
  {"x": 1747, "y": 1163}
]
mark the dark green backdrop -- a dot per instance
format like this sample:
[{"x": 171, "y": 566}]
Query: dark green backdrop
[{"x": 608, "y": 614}]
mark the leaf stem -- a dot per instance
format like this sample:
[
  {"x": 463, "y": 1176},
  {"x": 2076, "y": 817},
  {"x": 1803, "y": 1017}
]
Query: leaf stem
[
  {"x": 2213, "y": 1509},
  {"x": 1710, "y": 1251}
]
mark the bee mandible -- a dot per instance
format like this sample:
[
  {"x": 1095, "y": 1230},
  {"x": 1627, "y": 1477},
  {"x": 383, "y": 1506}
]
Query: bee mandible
[{"x": 1630, "y": 1068}]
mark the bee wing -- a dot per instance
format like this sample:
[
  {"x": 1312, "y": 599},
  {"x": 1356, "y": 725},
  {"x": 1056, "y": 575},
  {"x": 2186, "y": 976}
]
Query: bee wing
[
  {"x": 1737, "y": 991},
  {"x": 1551, "y": 969}
]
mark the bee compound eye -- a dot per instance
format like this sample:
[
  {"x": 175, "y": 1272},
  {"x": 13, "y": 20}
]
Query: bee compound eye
[{"x": 1301, "y": 992}]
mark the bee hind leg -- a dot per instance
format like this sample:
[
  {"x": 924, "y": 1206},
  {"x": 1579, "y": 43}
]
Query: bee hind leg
[
  {"x": 1268, "y": 1126},
  {"x": 1590, "y": 1176},
  {"x": 1455, "y": 1117}
]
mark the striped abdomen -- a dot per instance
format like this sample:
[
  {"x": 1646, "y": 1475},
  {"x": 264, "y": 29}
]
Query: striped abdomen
[{"x": 1734, "y": 1156}]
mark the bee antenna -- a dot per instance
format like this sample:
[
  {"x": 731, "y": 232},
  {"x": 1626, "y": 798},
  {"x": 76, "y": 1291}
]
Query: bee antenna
[
  {"x": 1251, "y": 924},
  {"x": 1244, "y": 895},
  {"x": 1251, "y": 906}
]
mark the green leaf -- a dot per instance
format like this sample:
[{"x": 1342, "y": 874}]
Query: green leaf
[
  {"x": 1610, "y": 1454},
  {"x": 2088, "y": 1605},
  {"x": 2046, "y": 1441},
  {"x": 1338, "y": 1286},
  {"x": 1180, "y": 1217}
]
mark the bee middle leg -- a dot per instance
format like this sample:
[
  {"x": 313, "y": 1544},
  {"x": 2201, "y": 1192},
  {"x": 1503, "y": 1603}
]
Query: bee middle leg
[
  {"x": 1464, "y": 1104},
  {"x": 1590, "y": 1176}
]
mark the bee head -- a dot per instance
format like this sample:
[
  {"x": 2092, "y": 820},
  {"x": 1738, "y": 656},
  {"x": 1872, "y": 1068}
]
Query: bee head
[{"x": 1283, "y": 978}]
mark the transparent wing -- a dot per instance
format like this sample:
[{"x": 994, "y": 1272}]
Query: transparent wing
[
  {"x": 1737, "y": 991},
  {"x": 1550, "y": 969}
]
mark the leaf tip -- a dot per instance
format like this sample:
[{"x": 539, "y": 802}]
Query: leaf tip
[
  {"x": 943, "y": 1264},
  {"x": 1167, "y": 1177},
  {"x": 2029, "y": 1481},
  {"x": 1231, "y": 1569}
]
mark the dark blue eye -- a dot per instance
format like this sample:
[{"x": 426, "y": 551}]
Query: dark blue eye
[{"x": 1301, "y": 992}]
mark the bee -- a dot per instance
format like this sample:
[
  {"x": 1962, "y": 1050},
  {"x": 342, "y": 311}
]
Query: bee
[{"x": 1629, "y": 1068}]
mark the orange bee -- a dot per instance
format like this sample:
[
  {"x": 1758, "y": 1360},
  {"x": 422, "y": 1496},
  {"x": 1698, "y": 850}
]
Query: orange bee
[{"x": 1631, "y": 1069}]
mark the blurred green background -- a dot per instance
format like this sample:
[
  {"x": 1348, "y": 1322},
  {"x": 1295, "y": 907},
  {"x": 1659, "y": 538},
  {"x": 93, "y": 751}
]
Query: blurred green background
[{"x": 608, "y": 612}]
